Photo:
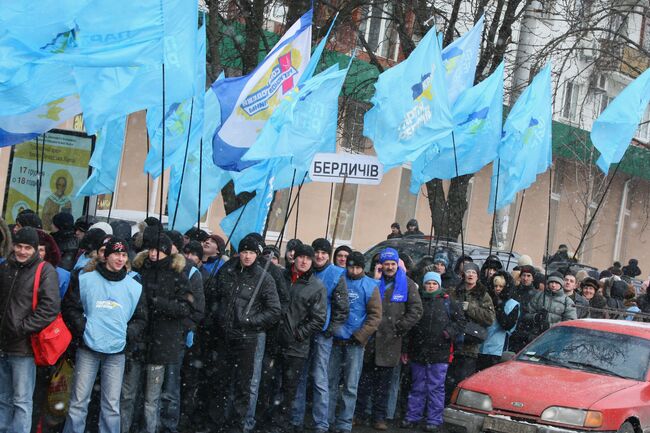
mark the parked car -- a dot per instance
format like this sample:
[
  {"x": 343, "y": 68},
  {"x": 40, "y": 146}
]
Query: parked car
[
  {"x": 581, "y": 375},
  {"x": 572, "y": 266},
  {"x": 417, "y": 248}
]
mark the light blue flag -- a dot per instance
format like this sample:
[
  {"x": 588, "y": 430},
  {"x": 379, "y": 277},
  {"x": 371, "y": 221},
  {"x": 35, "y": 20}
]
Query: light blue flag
[
  {"x": 247, "y": 102},
  {"x": 614, "y": 129},
  {"x": 411, "y": 110},
  {"x": 316, "y": 55},
  {"x": 459, "y": 59},
  {"x": 105, "y": 160},
  {"x": 22, "y": 127},
  {"x": 177, "y": 120},
  {"x": 305, "y": 123},
  {"x": 478, "y": 117},
  {"x": 253, "y": 215},
  {"x": 109, "y": 93},
  {"x": 526, "y": 146}
]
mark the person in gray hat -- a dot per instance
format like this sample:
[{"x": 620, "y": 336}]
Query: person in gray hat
[{"x": 551, "y": 306}]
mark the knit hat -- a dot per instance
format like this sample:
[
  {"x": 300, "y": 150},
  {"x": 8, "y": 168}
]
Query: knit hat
[
  {"x": 104, "y": 241},
  {"x": 249, "y": 244},
  {"x": 63, "y": 221},
  {"x": 395, "y": 226},
  {"x": 150, "y": 236},
  {"x": 471, "y": 266},
  {"x": 304, "y": 250},
  {"x": 82, "y": 225},
  {"x": 116, "y": 245},
  {"x": 527, "y": 269},
  {"x": 258, "y": 237},
  {"x": 176, "y": 238},
  {"x": 163, "y": 244},
  {"x": 271, "y": 250},
  {"x": 92, "y": 240},
  {"x": 432, "y": 276},
  {"x": 412, "y": 223},
  {"x": 28, "y": 236},
  {"x": 524, "y": 260},
  {"x": 197, "y": 234},
  {"x": 221, "y": 244},
  {"x": 441, "y": 258},
  {"x": 555, "y": 279},
  {"x": 152, "y": 221},
  {"x": 389, "y": 254},
  {"x": 194, "y": 247},
  {"x": 293, "y": 244},
  {"x": 322, "y": 244},
  {"x": 356, "y": 259},
  {"x": 492, "y": 262},
  {"x": 104, "y": 226},
  {"x": 342, "y": 248},
  {"x": 28, "y": 218}
]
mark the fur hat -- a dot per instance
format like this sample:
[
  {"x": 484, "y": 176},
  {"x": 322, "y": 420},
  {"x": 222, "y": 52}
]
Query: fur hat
[
  {"x": 304, "y": 250},
  {"x": 356, "y": 259},
  {"x": 322, "y": 244}
]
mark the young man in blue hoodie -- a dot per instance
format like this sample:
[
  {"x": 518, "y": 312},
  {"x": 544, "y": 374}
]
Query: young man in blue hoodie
[{"x": 102, "y": 307}]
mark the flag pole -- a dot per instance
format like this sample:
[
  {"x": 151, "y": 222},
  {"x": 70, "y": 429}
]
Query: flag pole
[
  {"x": 514, "y": 234},
  {"x": 162, "y": 159},
  {"x": 198, "y": 210},
  {"x": 338, "y": 210},
  {"x": 295, "y": 230},
  {"x": 548, "y": 221},
  {"x": 329, "y": 210},
  {"x": 286, "y": 214},
  {"x": 600, "y": 202},
  {"x": 187, "y": 147},
  {"x": 38, "y": 186},
  {"x": 278, "y": 242},
  {"x": 462, "y": 236},
  {"x": 435, "y": 194},
  {"x": 146, "y": 209},
  {"x": 494, "y": 212}
]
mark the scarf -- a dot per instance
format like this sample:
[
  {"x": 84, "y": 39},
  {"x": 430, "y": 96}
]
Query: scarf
[{"x": 400, "y": 283}]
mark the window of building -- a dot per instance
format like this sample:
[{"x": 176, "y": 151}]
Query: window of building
[
  {"x": 352, "y": 131},
  {"x": 346, "y": 215},
  {"x": 279, "y": 209},
  {"x": 406, "y": 202},
  {"x": 570, "y": 102},
  {"x": 643, "y": 134},
  {"x": 557, "y": 182},
  {"x": 622, "y": 222},
  {"x": 645, "y": 31},
  {"x": 376, "y": 26}
]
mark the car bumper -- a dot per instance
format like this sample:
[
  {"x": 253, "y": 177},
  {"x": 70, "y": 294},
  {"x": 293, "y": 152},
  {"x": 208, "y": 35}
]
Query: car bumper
[{"x": 460, "y": 421}]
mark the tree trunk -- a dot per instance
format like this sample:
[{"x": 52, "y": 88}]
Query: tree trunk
[
  {"x": 296, "y": 9},
  {"x": 253, "y": 12},
  {"x": 214, "y": 40}
]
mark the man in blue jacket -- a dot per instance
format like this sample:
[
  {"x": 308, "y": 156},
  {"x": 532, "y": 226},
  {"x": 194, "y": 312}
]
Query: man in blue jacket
[{"x": 102, "y": 307}]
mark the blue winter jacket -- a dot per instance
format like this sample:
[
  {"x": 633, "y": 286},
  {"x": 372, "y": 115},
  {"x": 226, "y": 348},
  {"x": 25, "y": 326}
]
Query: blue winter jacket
[
  {"x": 359, "y": 294},
  {"x": 496, "y": 335},
  {"x": 332, "y": 278}
]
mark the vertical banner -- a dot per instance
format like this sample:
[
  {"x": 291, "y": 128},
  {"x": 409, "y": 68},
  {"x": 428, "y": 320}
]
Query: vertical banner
[{"x": 65, "y": 168}]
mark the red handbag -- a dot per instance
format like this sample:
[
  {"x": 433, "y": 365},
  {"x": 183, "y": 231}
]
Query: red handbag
[{"x": 52, "y": 341}]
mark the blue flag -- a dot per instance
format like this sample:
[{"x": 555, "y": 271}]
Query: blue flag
[
  {"x": 526, "y": 146},
  {"x": 411, "y": 109},
  {"x": 253, "y": 215},
  {"x": 614, "y": 129},
  {"x": 459, "y": 59},
  {"x": 247, "y": 102},
  {"x": 22, "y": 127},
  {"x": 478, "y": 114},
  {"x": 113, "y": 92},
  {"x": 105, "y": 160}
]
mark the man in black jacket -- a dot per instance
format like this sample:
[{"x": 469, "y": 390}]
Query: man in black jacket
[
  {"x": 64, "y": 236},
  {"x": 523, "y": 294},
  {"x": 245, "y": 305},
  {"x": 18, "y": 322},
  {"x": 304, "y": 317}
]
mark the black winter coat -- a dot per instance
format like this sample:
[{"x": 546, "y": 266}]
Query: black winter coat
[
  {"x": 430, "y": 340},
  {"x": 69, "y": 246},
  {"x": 170, "y": 304},
  {"x": 305, "y": 315},
  {"x": 196, "y": 285},
  {"x": 17, "y": 320},
  {"x": 232, "y": 291}
]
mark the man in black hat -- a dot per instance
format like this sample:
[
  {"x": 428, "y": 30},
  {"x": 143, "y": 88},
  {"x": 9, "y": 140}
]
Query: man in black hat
[
  {"x": 245, "y": 306},
  {"x": 413, "y": 229},
  {"x": 289, "y": 253},
  {"x": 395, "y": 231},
  {"x": 64, "y": 236}
]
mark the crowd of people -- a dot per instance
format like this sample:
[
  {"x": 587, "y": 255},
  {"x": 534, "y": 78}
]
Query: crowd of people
[{"x": 171, "y": 334}]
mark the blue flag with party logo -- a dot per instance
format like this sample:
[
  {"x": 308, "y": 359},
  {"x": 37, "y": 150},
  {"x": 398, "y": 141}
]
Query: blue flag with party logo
[
  {"x": 614, "y": 129},
  {"x": 247, "y": 102},
  {"x": 105, "y": 159},
  {"x": 526, "y": 147},
  {"x": 410, "y": 106},
  {"x": 459, "y": 59},
  {"x": 478, "y": 116}
]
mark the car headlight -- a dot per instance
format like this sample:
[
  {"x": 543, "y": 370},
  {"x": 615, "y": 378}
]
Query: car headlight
[
  {"x": 576, "y": 417},
  {"x": 474, "y": 400}
]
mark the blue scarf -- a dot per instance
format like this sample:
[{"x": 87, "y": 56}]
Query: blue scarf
[{"x": 400, "y": 283}]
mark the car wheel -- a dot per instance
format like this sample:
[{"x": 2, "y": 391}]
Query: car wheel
[{"x": 626, "y": 428}]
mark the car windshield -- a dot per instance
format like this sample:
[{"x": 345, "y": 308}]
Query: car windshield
[{"x": 589, "y": 350}]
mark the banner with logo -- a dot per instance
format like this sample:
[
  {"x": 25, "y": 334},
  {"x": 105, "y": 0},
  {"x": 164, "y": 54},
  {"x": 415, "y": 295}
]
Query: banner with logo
[{"x": 65, "y": 156}]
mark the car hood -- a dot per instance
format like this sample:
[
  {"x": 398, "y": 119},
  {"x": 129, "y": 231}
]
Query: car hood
[{"x": 537, "y": 387}]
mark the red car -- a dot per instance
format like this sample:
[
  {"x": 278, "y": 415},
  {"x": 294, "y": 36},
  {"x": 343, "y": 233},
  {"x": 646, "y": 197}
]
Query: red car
[{"x": 582, "y": 375}]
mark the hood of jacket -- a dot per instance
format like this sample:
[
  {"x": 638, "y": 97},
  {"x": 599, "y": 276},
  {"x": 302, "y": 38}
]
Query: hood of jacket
[
  {"x": 508, "y": 291},
  {"x": 177, "y": 262}
]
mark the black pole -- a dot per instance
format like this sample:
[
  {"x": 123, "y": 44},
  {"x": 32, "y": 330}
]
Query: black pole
[
  {"x": 198, "y": 210},
  {"x": 548, "y": 220},
  {"x": 162, "y": 159},
  {"x": 514, "y": 234},
  {"x": 268, "y": 217},
  {"x": 110, "y": 208},
  {"x": 187, "y": 147},
  {"x": 435, "y": 196},
  {"x": 329, "y": 210},
  {"x": 591, "y": 220},
  {"x": 38, "y": 187},
  {"x": 146, "y": 209},
  {"x": 494, "y": 212},
  {"x": 462, "y": 236},
  {"x": 278, "y": 242},
  {"x": 295, "y": 230}
]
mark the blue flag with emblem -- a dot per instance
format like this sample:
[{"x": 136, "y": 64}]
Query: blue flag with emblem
[
  {"x": 459, "y": 59},
  {"x": 526, "y": 146},
  {"x": 478, "y": 116},
  {"x": 105, "y": 160},
  {"x": 614, "y": 129},
  {"x": 26, "y": 126},
  {"x": 247, "y": 102},
  {"x": 113, "y": 92},
  {"x": 411, "y": 109}
]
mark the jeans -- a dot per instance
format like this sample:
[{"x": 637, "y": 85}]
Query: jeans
[
  {"x": 428, "y": 391},
  {"x": 349, "y": 359},
  {"x": 374, "y": 383},
  {"x": 130, "y": 401},
  {"x": 162, "y": 397},
  {"x": 111, "y": 368},
  {"x": 17, "y": 381},
  {"x": 319, "y": 355},
  {"x": 393, "y": 391}
]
